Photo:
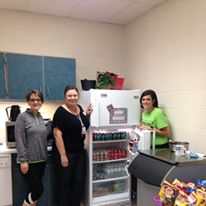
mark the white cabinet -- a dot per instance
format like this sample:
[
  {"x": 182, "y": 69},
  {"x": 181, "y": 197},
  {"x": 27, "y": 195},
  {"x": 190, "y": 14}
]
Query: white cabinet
[
  {"x": 5, "y": 180},
  {"x": 108, "y": 157}
]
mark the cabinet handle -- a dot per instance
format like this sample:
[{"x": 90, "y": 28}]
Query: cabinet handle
[
  {"x": 47, "y": 91},
  {"x": 6, "y": 76}
]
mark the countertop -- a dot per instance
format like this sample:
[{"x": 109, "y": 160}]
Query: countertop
[
  {"x": 5, "y": 150},
  {"x": 168, "y": 156}
]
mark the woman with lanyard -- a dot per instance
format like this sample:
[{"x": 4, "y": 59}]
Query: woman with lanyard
[{"x": 70, "y": 125}]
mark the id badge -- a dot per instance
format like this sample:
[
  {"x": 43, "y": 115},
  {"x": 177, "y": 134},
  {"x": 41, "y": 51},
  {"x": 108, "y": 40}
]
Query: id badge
[{"x": 83, "y": 130}]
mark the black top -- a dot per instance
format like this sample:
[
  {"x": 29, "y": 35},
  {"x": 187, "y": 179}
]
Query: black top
[{"x": 71, "y": 128}]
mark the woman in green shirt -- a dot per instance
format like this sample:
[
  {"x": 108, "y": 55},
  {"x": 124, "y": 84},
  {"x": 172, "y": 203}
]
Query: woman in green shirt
[{"x": 154, "y": 118}]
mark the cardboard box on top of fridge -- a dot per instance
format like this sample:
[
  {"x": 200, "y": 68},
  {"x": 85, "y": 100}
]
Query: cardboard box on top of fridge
[{"x": 112, "y": 107}]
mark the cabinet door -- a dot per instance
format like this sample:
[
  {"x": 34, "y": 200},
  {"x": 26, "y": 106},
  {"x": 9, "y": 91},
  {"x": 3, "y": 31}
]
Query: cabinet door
[
  {"x": 58, "y": 72},
  {"x": 2, "y": 80},
  {"x": 24, "y": 74}
]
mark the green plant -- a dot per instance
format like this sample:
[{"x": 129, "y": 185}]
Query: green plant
[{"x": 105, "y": 80}]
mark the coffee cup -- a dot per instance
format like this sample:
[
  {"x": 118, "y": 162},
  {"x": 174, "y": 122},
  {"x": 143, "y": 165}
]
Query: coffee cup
[{"x": 180, "y": 150}]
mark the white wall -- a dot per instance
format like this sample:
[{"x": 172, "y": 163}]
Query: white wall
[
  {"x": 95, "y": 46},
  {"x": 167, "y": 52}
]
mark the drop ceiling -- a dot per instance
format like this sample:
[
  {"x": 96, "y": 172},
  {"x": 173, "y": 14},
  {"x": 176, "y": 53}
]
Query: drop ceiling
[{"x": 107, "y": 11}]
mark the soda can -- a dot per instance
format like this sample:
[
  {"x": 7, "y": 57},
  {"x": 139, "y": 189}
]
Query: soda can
[
  {"x": 110, "y": 154},
  {"x": 106, "y": 154},
  {"x": 119, "y": 153},
  {"x": 103, "y": 136},
  {"x": 94, "y": 156},
  {"x": 107, "y": 136},
  {"x": 98, "y": 156},
  {"x": 118, "y": 135},
  {"x": 102, "y": 157},
  {"x": 115, "y": 154}
]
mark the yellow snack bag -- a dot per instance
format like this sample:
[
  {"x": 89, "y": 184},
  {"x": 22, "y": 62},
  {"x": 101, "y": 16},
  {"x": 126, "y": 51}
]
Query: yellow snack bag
[
  {"x": 195, "y": 199},
  {"x": 203, "y": 194},
  {"x": 182, "y": 199}
]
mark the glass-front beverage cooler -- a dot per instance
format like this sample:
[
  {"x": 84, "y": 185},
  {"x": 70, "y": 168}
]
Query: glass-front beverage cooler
[
  {"x": 109, "y": 179},
  {"x": 114, "y": 118}
]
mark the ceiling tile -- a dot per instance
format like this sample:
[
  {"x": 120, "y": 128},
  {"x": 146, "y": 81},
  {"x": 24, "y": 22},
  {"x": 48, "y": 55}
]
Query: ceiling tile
[
  {"x": 52, "y": 7},
  {"x": 151, "y": 2},
  {"x": 108, "y": 11},
  {"x": 99, "y": 10},
  {"x": 133, "y": 11}
]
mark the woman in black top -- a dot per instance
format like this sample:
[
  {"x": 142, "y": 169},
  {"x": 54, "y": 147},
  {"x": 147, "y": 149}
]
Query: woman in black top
[{"x": 70, "y": 125}]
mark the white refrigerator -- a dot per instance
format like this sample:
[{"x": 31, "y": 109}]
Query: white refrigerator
[{"x": 114, "y": 117}]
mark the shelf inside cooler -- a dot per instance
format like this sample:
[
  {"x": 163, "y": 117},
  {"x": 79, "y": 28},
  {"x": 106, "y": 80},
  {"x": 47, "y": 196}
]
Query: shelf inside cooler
[
  {"x": 111, "y": 199},
  {"x": 107, "y": 161},
  {"x": 109, "y": 153},
  {"x": 110, "y": 179},
  {"x": 109, "y": 170},
  {"x": 118, "y": 185},
  {"x": 106, "y": 135},
  {"x": 110, "y": 141}
]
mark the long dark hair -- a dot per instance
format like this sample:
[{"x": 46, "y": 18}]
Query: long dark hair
[{"x": 151, "y": 93}]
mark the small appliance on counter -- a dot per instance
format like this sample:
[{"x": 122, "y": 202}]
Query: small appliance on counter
[
  {"x": 14, "y": 112},
  {"x": 10, "y": 134}
]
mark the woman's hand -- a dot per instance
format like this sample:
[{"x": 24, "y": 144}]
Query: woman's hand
[
  {"x": 144, "y": 127},
  {"x": 24, "y": 166},
  {"x": 139, "y": 125},
  {"x": 89, "y": 110},
  {"x": 64, "y": 161}
]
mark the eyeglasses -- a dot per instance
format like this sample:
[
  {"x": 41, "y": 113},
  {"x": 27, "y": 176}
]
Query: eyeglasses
[{"x": 35, "y": 100}]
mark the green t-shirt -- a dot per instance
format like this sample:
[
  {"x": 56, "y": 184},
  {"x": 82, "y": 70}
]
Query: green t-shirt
[{"x": 157, "y": 119}]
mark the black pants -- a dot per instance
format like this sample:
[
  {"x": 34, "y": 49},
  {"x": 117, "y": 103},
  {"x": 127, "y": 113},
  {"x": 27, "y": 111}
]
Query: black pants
[
  {"x": 34, "y": 178},
  {"x": 71, "y": 179}
]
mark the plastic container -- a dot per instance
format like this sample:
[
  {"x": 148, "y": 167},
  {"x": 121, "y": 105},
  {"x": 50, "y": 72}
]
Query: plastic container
[
  {"x": 88, "y": 84},
  {"x": 119, "y": 83},
  {"x": 173, "y": 143}
]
